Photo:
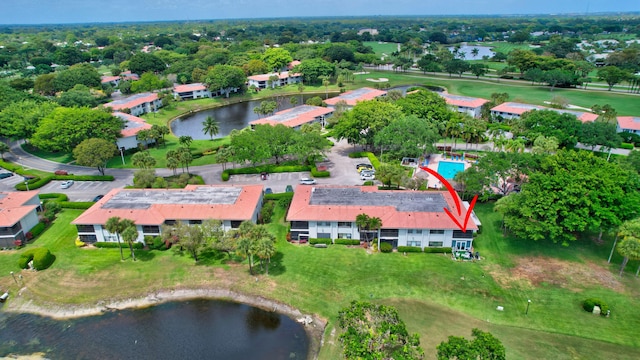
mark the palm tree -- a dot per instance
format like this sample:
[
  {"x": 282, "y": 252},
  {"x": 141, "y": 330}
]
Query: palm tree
[
  {"x": 263, "y": 245},
  {"x": 210, "y": 126},
  {"x": 173, "y": 162},
  {"x": 362, "y": 222},
  {"x": 130, "y": 234},
  {"x": 375, "y": 223},
  {"x": 185, "y": 141},
  {"x": 113, "y": 226},
  {"x": 143, "y": 160},
  {"x": 475, "y": 52},
  {"x": 326, "y": 83},
  {"x": 244, "y": 242},
  {"x": 629, "y": 246}
]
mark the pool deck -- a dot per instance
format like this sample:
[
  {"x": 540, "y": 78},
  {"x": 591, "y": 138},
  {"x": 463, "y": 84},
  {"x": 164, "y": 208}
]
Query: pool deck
[{"x": 434, "y": 160}]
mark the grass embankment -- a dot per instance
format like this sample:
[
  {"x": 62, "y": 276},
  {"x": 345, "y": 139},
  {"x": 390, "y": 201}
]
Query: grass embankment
[{"x": 435, "y": 296}]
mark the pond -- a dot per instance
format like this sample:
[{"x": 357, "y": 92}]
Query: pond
[
  {"x": 196, "y": 329},
  {"x": 468, "y": 52},
  {"x": 229, "y": 117}
]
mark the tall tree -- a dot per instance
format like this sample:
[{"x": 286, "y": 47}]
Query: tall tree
[
  {"x": 210, "y": 126},
  {"x": 95, "y": 153},
  {"x": 612, "y": 75},
  {"x": 143, "y": 160},
  {"x": 629, "y": 246},
  {"x": 141, "y": 63},
  {"x": 226, "y": 79},
  {"x": 376, "y": 332},
  {"x": 407, "y": 136},
  {"x": 129, "y": 235},
  {"x": 276, "y": 58},
  {"x": 263, "y": 246}
]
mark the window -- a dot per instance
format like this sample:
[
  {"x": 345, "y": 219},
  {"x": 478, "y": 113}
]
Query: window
[
  {"x": 414, "y": 243},
  {"x": 344, "y": 235},
  {"x": 299, "y": 224},
  {"x": 11, "y": 230},
  {"x": 150, "y": 229},
  {"x": 88, "y": 238},
  {"x": 344, "y": 224},
  {"x": 435, "y": 243},
  {"x": 85, "y": 228},
  {"x": 235, "y": 224},
  {"x": 434, "y": 232},
  {"x": 389, "y": 233},
  {"x": 169, "y": 222},
  {"x": 459, "y": 234},
  {"x": 414, "y": 231},
  {"x": 195, "y": 222},
  {"x": 324, "y": 223},
  {"x": 324, "y": 235}
]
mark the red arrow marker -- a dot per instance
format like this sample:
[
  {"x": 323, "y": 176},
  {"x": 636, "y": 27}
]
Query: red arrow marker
[{"x": 456, "y": 200}]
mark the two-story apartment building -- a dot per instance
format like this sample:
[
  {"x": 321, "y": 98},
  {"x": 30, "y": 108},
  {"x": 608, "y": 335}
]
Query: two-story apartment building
[
  {"x": 297, "y": 116},
  {"x": 512, "y": 110},
  {"x": 628, "y": 124},
  {"x": 132, "y": 126},
  {"x": 18, "y": 214},
  {"x": 149, "y": 209},
  {"x": 409, "y": 218},
  {"x": 191, "y": 91},
  {"x": 262, "y": 81},
  {"x": 465, "y": 104},
  {"x": 138, "y": 104}
]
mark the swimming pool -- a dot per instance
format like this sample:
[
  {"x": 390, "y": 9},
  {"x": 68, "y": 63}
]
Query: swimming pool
[{"x": 449, "y": 169}]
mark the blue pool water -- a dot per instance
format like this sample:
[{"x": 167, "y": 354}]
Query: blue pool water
[{"x": 449, "y": 169}]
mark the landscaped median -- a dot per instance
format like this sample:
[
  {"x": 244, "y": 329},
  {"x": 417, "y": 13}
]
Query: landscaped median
[
  {"x": 272, "y": 169},
  {"x": 36, "y": 181}
]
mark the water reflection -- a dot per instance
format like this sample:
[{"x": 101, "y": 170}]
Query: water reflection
[{"x": 198, "y": 329}]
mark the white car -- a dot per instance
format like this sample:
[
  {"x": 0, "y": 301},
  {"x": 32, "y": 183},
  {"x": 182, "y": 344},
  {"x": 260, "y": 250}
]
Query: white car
[
  {"x": 307, "y": 181},
  {"x": 66, "y": 184},
  {"x": 367, "y": 177}
]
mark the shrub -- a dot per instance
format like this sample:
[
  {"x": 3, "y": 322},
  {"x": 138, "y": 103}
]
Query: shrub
[
  {"x": 385, "y": 247},
  {"x": 279, "y": 196},
  {"x": 437, "y": 250},
  {"x": 319, "y": 241},
  {"x": 319, "y": 174},
  {"x": 626, "y": 146},
  {"x": 267, "y": 211},
  {"x": 590, "y": 303},
  {"x": 76, "y": 205},
  {"x": 409, "y": 249},
  {"x": 156, "y": 243},
  {"x": 368, "y": 183},
  {"x": 358, "y": 154},
  {"x": 54, "y": 196},
  {"x": 225, "y": 175},
  {"x": 38, "y": 229},
  {"x": 42, "y": 258},
  {"x": 347, "y": 242},
  {"x": 114, "y": 245}
]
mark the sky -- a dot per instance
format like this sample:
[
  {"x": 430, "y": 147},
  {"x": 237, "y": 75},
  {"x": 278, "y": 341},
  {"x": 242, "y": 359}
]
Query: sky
[{"x": 89, "y": 11}]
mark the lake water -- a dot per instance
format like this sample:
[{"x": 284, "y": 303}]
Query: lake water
[
  {"x": 197, "y": 329},
  {"x": 482, "y": 51},
  {"x": 233, "y": 116}
]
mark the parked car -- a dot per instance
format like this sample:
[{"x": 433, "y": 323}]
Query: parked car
[
  {"x": 289, "y": 189},
  {"x": 61, "y": 172},
  {"x": 97, "y": 198},
  {"x": 5, "y": 175},
  {"x": 369, "y": 166},
  {"x": 268, "y": 191},
  {"x": 367, "y": 177},
  {"x": 367, "y": 172},
  {"x": 307, "y": 181},
  {"x": 365, "y": 167},
  {"x": 66, "y": 184}
]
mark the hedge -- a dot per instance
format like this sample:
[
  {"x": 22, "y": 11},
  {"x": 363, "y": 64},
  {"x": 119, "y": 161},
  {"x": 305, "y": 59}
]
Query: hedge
[
  {"x": 437, "y": 250},
  {"x": 385, "y": 247},
  {"x": 38, "y": 182},
  {"x": 369, "y": 155},
  {"x": 83, "y": 205},
  {"x": 409, "y": 249},
  {"x": 278, "y": 196},
  {"x": 54, "y": 196},
  {"x": 114, "y": 245},
  {"x": 319, "y": 174},
  {"x": 42, "y": 258},
  {"x": 38, "y": 229},
  {"x": 626, "y": 146},
  {"x": 320, "y": 241},
  {"x": 590, "y": 303},
  {"x": 347, "y": 242}
]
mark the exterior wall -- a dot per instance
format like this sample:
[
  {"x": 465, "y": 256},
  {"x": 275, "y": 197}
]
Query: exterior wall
[
  {"x": 29, "y": 221},
  {"x": 406, "y": 237},
  {"x": 619, "y": 129},
  {"x": 128, "y": 142},
  {"x": 7, "y": 240},
  {"x": 192, "y": 94},
  {"x": 505, "y": 115}
]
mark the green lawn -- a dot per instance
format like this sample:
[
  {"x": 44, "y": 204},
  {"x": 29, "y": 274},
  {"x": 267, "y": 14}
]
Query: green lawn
[
  {"x": 64, "y": 158},
  {"x": 382, "y": 48},
  {"x": 436, "y": 296}
]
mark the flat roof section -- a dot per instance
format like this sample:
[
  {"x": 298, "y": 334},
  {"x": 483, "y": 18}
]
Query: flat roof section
[
  {"x": 137, "y": 199},
  {"x": 414, "y": 201},
  {"x": 292, "y": 113}
]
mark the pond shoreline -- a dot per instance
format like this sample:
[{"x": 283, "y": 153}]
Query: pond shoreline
[{"x": 314, "y": 330}]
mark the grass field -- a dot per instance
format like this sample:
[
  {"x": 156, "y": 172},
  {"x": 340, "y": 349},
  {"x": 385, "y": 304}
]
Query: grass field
[
  {"x": 382, "y": 49},
  {"x": 435, "y": 296}
]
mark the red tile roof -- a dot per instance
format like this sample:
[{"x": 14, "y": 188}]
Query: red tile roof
[
  {"x": 464, "y": 101},
  {"x": 265, "y": 77},
  {"x": 132, "y": 101},
  {"x": 106, "y": 79},
  {"x": 354, "y": 96},
  {"x": 189, "y": 88},
  {"x": 293, "y": 64},
  {"x": 302, "y": 210},
  {"x": 629, "y": 122},
  {"x": 13, "y": 208},
  {"x": 516, "y": 108},
  {"x": 133, "y": 124},
  {"x": 295, "y": 116},
  {"x": 173, "y": 205}
]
